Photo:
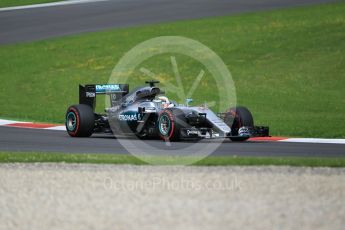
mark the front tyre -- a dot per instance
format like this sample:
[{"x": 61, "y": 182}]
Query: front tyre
[
  {"x": 80, "y": 121},
  {"x": 242, "y": 118},
  {"x": 170, "y": 122}
]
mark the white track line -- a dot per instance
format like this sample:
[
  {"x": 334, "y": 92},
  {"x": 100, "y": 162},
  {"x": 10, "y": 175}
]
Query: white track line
[
  {"x": 315, "y": 140},
  {"x": 59, "y": 128},
  {"x": 7, "y": 122},
  {"x": 69, "y": 2}
]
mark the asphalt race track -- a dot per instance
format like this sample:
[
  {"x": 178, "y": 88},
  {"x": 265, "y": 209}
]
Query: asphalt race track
[
  {"x": 18, "y": 139},
  {"x": 46, "y": 22}
]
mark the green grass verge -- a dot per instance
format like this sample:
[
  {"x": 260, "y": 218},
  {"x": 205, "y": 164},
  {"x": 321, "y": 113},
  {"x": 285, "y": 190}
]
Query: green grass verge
[
  {"x": 8, "y": 3},
  {"x": 32, "y": 157},
  {"x": 288, "y": 66}
]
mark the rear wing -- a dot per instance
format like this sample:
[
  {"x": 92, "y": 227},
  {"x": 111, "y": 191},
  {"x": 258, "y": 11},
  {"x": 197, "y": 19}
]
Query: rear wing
[{"x": 87, "y": 93}]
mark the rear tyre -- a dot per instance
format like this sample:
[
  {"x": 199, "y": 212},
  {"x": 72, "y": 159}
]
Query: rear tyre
[
  {"x": 170, "y": 122},
  {"x": 80, "y": 121},
  {"x": 241, "y": 117}
]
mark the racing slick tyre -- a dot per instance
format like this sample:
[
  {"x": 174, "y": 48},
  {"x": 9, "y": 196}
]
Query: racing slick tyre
[
  {"x": 241, "y": 117},
  {"x": 170, "y": 122},
  {"x": 80, "y": 120}
]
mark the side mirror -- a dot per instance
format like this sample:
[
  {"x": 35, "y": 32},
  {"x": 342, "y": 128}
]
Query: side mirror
[{"x": 188, "y": 100}]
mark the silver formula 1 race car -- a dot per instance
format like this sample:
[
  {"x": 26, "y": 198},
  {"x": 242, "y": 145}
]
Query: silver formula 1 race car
[{"x": 146, "y": 113}]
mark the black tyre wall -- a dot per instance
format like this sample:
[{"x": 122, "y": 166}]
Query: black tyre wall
[
  {"x": 85, "y": 120},
  {"x": 242, "y": 117},
  {"x": 178, "y": 121}
]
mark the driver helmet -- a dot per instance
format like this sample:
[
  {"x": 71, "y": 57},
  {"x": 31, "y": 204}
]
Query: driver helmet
[{"x": 165, "y": 102}]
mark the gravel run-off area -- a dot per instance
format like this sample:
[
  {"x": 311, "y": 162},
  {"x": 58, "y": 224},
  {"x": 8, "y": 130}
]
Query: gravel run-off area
[{"x": 86, "y": 196}]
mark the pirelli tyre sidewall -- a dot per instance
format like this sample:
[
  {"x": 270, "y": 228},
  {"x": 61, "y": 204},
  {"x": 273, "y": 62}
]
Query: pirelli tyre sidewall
[
  {"x": 80, "y": 120},
  {"x": 170, "y": 122}
]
